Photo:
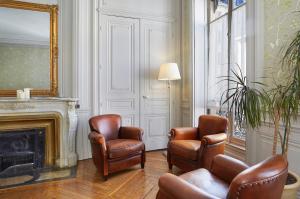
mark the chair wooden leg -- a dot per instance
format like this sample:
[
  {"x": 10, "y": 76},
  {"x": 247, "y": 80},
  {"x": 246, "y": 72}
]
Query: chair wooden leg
[
  {"x": 143, "y": 159},
  {"x": 105, "y": 178},
  {"x": 169, "y": 160}
]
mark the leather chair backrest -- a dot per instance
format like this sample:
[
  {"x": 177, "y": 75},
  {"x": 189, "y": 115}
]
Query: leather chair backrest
[
  {"x": 211, "y": 124},
  {"x": 107, "y": 125},
  {"x": 264, "y": 180}
]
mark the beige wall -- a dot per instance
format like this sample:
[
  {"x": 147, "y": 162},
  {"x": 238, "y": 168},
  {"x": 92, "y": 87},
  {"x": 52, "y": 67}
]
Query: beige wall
[{"x": 281, "y": 24}]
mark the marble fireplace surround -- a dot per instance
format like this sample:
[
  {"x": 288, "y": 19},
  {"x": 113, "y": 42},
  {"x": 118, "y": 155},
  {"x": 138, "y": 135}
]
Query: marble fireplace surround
[{"x": 57, "y": 115}]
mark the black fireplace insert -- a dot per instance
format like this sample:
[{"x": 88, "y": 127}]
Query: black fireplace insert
[{"x": 22, "y": 152}]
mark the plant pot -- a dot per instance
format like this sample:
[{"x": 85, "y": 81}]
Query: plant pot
[{"x": 290, "y": 191}]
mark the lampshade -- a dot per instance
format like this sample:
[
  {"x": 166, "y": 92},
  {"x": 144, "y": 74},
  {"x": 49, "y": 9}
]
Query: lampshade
[{"x": 169, "y": 71}]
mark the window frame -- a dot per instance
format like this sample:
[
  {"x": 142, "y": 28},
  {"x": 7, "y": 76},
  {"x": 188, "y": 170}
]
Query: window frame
[{"x": 232, "y": 140}]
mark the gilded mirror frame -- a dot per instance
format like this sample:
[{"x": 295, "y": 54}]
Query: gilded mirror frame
[{"x": 53, "y": 62}]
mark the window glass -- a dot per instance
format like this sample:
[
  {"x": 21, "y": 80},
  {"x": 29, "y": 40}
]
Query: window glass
[
  {"x": 238, "y": 39},
  {"x": 218, "y": 8},
  {"x": 237, "y": 3},
  {"x": 238, "y": 53},
  {"x": 218, "y": 64},
  {"x": 218, "y": 55}
]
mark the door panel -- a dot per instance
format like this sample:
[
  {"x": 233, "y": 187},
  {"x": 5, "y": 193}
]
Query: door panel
[
  {"x": 129, "y": 87},
  {"x": 156, "y": 40},
  {"x": 119, "y": 58}
]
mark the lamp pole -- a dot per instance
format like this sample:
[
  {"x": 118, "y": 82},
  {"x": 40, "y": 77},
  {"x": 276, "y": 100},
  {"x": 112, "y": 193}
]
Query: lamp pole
[
  {"x": 169, "y": 72},
  {"x": 170, "y": 103}
]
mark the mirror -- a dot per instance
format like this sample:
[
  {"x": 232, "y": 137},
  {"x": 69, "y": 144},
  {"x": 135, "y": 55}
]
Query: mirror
[{"x": 28, "y": 48}]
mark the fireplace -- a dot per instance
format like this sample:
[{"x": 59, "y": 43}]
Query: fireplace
[
  {"x": 22, "y": 152},
  {"x": 43, "y": 128},
  {"x": 47, "y": 128}
]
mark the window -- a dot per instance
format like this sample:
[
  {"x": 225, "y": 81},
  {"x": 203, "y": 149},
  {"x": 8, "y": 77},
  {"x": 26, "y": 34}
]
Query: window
[{"x": 220, "y": 64}]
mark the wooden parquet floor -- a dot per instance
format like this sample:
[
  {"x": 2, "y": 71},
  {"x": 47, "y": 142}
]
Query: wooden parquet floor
[{"x": 133, "y": 183}]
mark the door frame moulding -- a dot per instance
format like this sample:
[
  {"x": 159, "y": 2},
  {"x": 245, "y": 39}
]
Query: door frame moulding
[
  {"x": 125, "y": 13},
  {"x": 96, "y": 67}
]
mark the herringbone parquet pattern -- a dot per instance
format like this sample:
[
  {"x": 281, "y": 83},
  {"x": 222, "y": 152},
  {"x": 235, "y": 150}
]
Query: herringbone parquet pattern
[{"x": 134, "y": 183}]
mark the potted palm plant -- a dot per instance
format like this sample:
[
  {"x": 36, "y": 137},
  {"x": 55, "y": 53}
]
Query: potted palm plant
[
  {"x": 250, "y": 105},
  {"x": 283, "y": 106},
  {"x": 243, "y": 102}
]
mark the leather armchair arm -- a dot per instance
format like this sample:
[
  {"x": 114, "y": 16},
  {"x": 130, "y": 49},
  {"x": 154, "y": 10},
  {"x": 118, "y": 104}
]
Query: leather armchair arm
[
  {"x": 184, "y": 133},
  {"x": 227, "y": 168},
  {"x": 131, "y": 133},
  {"x": 97, "y": 138},
  {"x": 214, "y": 138},
  {"x": 171, "y": 186}
]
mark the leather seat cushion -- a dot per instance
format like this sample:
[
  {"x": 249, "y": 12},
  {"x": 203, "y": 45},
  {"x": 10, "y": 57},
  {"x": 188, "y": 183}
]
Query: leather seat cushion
[
  {"x": 120, "y": 148},
  {"x": 207, "y": 182},
  {"x": 185, "y": 148}
]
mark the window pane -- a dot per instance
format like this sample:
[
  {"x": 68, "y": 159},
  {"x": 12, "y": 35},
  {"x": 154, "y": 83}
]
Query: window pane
[
  {"x": 239, "y": 134},
  {"x": 218, "y": 51},
  {"x": 238, "y": 51},
  {"x": 237, "y": 3},
  {"x": 218, "y": 64},
  {"x": 218, "y": 8},
  {"x": 238, "y": 39}
]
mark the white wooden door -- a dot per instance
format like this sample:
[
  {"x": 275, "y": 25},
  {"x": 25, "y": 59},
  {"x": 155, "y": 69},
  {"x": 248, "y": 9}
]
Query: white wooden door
[
  {"x": 119, "y": 74},
  {"x": 156, "y": 48}
]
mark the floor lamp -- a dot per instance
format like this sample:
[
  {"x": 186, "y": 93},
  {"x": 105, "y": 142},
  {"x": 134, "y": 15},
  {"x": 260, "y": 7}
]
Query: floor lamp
[{"x": 169, "y": 72}]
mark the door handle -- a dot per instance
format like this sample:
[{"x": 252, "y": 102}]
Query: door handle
[{"x": 146, "y": 96}]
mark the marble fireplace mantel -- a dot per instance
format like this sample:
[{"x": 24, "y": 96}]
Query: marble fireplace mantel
[{"x": 64, "y": 107}]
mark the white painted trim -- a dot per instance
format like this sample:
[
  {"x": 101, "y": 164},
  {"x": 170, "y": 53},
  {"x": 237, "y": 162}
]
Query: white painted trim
[
  {"x": 65, "y": 43},
  {"x": 194, "y": 36},
  {"x": 136, "y": 15},
  {"x": 96, "y": 58},
  {"x": 76, "y": 58},
  {"x": 61, "y": 70},
  {"x": 123, "y": 12},
  {"x": 177, "y": 88},
  {"x": 200, "y": 59},
  {"x": 83, "y": 53},
  {"x": 255, "y": 62},
  {"x": 82, "y": 71}
]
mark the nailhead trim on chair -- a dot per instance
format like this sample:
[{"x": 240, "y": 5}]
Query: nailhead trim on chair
[{"x": 265, "y": 181}]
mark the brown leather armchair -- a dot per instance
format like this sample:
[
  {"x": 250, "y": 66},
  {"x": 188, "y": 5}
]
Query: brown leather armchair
[
  {"x": 193, "y": 148},
  {"x": 115, "y": 148},
  {"x": 228, "y": 178}
]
